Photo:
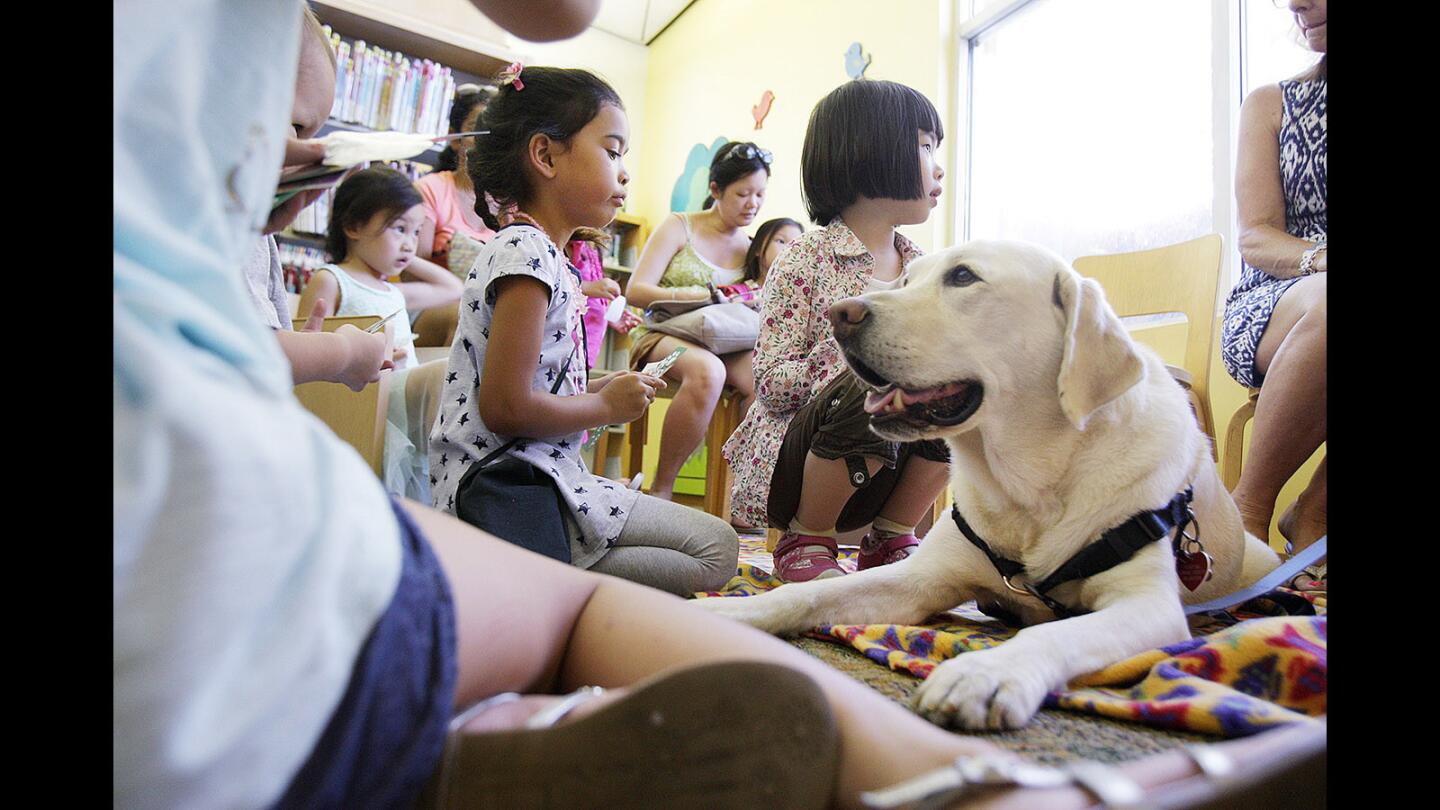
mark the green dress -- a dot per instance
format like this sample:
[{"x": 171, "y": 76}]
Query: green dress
[{"x": 688, "y": 272}]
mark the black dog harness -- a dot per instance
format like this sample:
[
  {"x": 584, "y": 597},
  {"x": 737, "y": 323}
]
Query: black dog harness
[{"x": 1113, "y": 548}]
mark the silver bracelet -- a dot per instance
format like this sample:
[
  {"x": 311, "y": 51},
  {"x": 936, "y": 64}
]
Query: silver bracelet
[{"x": 1307, "y": 259}]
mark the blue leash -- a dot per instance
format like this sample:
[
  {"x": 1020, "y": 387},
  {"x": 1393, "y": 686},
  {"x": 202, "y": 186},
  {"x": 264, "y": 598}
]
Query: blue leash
[{"x": 1267, "y": 583}]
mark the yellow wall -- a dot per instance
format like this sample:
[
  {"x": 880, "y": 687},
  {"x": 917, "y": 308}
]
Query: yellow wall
[
  {"x": 620, "y": 62},
  {"x": 716, "y": 60}
]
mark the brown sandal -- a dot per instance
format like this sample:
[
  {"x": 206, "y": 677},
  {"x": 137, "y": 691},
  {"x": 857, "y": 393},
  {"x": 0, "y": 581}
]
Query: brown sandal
[{"x": 705, "y": 736}]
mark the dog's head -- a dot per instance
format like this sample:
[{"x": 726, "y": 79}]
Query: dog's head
[{"x": 985, "y": 328}]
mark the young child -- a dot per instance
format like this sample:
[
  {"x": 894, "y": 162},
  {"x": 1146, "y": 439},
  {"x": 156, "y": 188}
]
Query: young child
[
  {"x": 804, "y": 458},
  {"x": 374, "y": 227},
  {"x": 771, "y": 238},
  {"x": 599, "y": 292},
  {"x": 553, "y": 164}
]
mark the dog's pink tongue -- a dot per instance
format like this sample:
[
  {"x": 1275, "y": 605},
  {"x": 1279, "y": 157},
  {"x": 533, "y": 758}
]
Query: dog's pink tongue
[{"x": 875, "y": 402}]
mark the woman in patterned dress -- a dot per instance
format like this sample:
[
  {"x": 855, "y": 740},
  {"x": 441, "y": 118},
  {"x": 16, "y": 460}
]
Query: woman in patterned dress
[{"x": 1274, "y": 336}]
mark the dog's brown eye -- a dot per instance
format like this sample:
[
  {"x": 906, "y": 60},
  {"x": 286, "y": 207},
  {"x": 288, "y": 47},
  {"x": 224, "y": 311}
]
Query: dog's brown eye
[{"x": 961, "y": 276}]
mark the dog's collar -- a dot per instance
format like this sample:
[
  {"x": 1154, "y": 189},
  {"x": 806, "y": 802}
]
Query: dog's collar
[{"x": 1112, "y": 548}]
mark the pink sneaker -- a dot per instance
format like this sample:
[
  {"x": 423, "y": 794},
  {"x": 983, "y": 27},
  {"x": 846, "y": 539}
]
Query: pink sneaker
[
  {"x": 798, "y": 560},
  {"x": 893, "y": 550}
]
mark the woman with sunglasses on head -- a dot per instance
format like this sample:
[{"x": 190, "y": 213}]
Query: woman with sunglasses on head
[{"x": 690, "y": 257}]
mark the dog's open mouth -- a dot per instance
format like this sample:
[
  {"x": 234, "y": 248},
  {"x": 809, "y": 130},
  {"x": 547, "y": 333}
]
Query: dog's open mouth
[{"x": 943, "y": 406}]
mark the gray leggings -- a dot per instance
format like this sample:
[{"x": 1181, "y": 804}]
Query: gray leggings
[{"x": 673, "y": 548}]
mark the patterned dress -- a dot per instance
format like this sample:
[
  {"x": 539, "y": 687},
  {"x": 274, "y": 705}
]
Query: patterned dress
[
  {"x": 599, "y": 506},
  {"x": 796, "y": 355},
  {"x": 1302, "y": 175}
]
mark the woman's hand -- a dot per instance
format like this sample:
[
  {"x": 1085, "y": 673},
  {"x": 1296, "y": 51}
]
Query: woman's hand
[
  {"x": 606, "y": 288},
  {"x": 627, "y": 394}
]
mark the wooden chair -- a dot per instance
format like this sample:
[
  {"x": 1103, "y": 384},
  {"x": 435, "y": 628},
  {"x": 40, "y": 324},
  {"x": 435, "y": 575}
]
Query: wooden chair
[
  {"x": 717, "y": 472},
  {"x": 1181, "y": 278},
  {"x": 436, "y": 326},
  {"x": 1235, "y": 441},
  {"x": 357, "y": 417}
]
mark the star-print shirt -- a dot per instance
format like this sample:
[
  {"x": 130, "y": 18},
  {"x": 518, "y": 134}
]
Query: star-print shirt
[
  {"x": 796, "y": 354},
  {"x": 460, "y": 438}
]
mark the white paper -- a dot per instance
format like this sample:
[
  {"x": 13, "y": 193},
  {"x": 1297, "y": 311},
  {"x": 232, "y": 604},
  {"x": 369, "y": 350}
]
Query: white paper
[
  {"x": 617, "y": 306},
  {"x": 344, "y": 148}
]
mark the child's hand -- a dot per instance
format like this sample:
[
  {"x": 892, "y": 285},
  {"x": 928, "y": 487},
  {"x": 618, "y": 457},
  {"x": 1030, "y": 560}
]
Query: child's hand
[
  {"x": 628, "y": 321},
  {"x": 596, "y": 385},
  {"x": 606, "y": 288},
  {"x": 627, "y": 394},
  {"x": 740, "y": 291}
]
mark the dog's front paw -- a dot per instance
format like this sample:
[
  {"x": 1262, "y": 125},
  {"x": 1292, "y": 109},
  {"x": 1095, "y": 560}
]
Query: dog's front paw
[{"x": 981, "y": 690}]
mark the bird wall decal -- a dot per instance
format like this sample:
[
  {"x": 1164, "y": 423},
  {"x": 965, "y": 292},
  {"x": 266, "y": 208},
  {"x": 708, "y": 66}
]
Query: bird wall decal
[{"x": 762, "y": 109}]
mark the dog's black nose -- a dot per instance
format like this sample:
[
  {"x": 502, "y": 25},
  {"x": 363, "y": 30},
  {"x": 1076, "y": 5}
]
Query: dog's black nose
[{"x": 846, "y": 316}]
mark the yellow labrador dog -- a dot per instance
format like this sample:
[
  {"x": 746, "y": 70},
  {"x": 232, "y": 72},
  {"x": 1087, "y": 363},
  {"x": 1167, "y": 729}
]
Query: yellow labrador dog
[{"x": 1060, "y": 430}]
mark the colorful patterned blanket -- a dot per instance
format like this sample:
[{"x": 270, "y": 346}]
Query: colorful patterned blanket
[{"x": 1256, "y": 673}]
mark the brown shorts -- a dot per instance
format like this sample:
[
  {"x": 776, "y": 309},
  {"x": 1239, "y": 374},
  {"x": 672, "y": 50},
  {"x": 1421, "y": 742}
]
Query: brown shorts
[
  {"x": 641, "y": 346},
  {"x": 835, "y": 425}
]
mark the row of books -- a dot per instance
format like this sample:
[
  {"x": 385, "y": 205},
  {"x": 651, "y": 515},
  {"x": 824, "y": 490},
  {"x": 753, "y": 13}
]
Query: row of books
[
  {"x": 387, "y": 90},
  {"x": 298, "y": 262}
]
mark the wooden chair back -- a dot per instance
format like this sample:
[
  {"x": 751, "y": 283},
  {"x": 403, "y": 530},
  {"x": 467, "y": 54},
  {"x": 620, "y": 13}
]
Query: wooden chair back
[{"x": 1181, "y": 278}]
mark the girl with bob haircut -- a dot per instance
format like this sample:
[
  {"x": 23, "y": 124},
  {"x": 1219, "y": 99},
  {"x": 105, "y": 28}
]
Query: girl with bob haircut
[
  {"x": 804, "y": 458},
  {"x": 688, "y": 257}
]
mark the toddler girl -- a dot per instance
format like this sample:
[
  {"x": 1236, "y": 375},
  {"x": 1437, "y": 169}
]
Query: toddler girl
[
  {"x": 771, "y": 238},
  {"x": 553, "y": 165},
  {"x": 804, "y": 458},
  {"x": 374, "y": 225},
  {"x": 599, "y": 291}
]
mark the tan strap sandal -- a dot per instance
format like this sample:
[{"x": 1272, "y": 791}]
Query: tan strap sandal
[
  {"x": 704, "y": 736},
  {"x": 1290, "y": 774}
]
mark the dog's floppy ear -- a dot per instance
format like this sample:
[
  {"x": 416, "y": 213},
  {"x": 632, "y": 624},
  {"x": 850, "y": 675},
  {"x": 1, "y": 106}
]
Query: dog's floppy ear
[{"x": 1100, "y": 361}]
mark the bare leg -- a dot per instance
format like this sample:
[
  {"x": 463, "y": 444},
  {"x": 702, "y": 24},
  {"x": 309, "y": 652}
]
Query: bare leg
[
  {"x": 826, "y": 489},
  {"x": 700, "y": 377},
  {"x": 921, "y": 482},
  {"x": 740, "y": 376},
  {"x": 1304, "y": 522},
  {"x": 1290, "y": 414},
  {"x": 563, "y": 628}
]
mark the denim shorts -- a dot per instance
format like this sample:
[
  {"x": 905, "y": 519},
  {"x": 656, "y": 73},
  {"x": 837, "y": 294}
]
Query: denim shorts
[{"x": 385, "y": 738}]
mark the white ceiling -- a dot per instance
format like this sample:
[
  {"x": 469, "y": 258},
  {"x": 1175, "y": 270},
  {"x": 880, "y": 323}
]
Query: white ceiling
[{"x": 638, "y": 20}]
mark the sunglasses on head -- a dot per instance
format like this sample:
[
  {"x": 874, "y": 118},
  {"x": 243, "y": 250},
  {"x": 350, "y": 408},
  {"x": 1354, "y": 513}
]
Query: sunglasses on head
[{"x": 748, "y": 152}]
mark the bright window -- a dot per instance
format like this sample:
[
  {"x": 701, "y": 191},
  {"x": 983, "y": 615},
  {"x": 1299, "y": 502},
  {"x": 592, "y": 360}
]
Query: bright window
[
  {"x": 1274, "y": 49},
  {"x": 1091, "y": 125}
]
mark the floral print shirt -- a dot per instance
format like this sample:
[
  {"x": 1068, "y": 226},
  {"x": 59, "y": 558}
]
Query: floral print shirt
[{"x": 796, "y": 354}]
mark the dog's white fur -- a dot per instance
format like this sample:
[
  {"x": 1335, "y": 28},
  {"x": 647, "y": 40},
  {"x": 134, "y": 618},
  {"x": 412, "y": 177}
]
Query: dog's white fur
[{"x": 1079, "y": 429}]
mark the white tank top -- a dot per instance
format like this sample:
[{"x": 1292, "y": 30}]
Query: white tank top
[
  {"x": 877, "y": 285},
  {"x": 362, "y": 299}
]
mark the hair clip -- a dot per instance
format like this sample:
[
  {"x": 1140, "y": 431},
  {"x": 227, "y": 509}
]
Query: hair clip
[{"x": 511, "y": 75}]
